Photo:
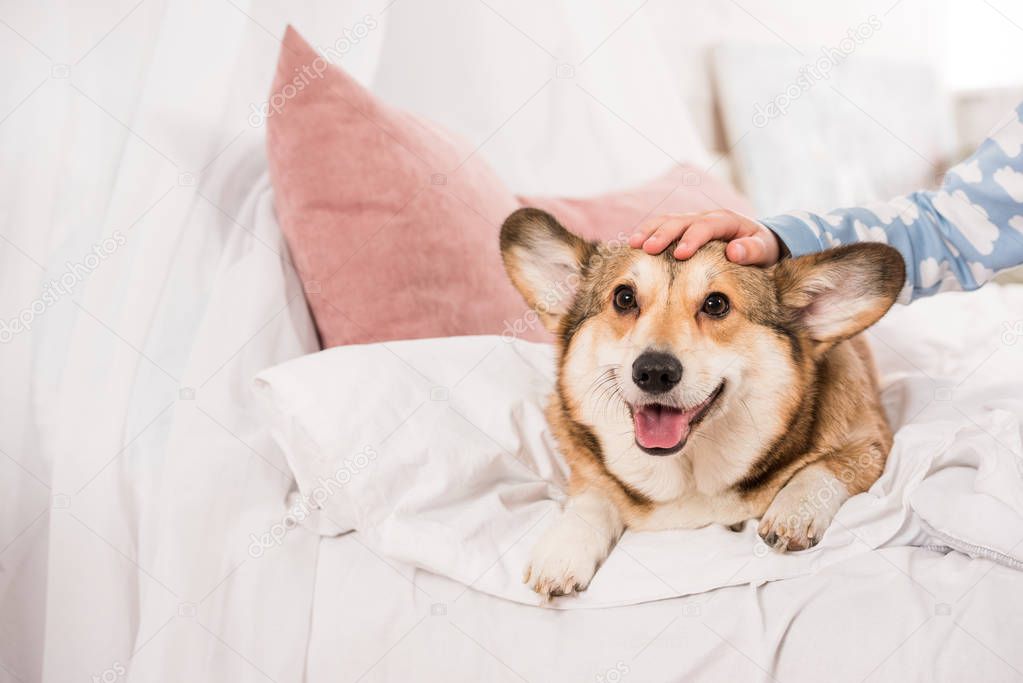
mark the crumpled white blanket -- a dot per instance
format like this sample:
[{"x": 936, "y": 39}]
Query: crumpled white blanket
[{"x": 437, "y": 453}]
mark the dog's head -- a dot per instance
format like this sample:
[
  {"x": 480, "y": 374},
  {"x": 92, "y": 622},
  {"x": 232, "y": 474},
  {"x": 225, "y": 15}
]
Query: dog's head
[{"x": 680, "y": 344}]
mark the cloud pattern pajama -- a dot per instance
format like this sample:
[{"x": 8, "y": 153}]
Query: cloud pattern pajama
[{"x": 956, "y": 237}]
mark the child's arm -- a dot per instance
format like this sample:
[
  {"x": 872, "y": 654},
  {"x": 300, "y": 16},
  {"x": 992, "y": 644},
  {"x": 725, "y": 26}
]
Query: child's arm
[{"x": 956, "y": 237}]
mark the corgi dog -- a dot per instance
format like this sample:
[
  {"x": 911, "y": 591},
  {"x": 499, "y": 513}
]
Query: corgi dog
[{"x": 701, "y": 392}]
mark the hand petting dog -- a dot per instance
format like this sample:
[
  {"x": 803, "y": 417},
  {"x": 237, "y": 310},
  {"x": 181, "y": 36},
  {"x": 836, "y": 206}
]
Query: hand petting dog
[{"x": 749, "y": 243}]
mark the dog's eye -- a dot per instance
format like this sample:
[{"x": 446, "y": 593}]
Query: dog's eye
[
  {"x": 716, "y": 305},
  {"x": 624, "y": 298}
]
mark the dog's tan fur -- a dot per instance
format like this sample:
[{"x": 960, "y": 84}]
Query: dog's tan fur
[{"x": 799, "y": 426}]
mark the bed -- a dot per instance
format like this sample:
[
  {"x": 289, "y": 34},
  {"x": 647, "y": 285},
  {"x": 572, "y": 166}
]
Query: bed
[{"x": 135, "y": 502}]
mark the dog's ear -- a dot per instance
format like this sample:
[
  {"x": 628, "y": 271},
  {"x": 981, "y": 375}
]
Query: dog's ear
[
  {"x": 544, "y": 261},
  {"x": 840, "y": 292}
]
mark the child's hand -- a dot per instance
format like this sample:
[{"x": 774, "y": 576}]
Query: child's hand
[{"x": 749, "y": 242}]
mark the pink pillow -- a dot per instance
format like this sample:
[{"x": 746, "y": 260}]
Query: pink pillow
[{"x": 393, "y": 223}]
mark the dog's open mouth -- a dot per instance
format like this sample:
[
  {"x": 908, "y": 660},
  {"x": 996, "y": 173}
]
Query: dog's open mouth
[{"x": 663, "y": 430}]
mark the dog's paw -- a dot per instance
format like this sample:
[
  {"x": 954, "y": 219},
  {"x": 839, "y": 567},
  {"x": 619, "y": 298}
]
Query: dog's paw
[
  {"x": 565, "y": 559},
  {"x": 791, "y": 533},
  {"x": 801, "y": 512}
]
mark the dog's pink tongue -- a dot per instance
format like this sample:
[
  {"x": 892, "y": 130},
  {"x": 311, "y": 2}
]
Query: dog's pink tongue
[{"x": 660, "y": 426}]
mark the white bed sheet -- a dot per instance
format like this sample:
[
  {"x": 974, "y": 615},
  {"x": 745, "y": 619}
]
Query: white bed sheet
[
  {"x": 126, "y": 506},
  {"x": 153, "y": 543},
  {"x": 898, "y": 614}
]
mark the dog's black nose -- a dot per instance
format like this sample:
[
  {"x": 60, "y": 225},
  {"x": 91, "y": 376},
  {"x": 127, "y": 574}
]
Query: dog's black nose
[{"x": 655, "y": 372}]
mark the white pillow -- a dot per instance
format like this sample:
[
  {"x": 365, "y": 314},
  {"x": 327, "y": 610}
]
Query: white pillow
[{"x": 843, "y": 133}]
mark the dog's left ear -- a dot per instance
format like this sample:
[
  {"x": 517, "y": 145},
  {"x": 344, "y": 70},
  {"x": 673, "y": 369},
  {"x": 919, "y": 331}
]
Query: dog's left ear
[
  {"x": 840, "y": 292},
  {"x": 544, "y": 261}
]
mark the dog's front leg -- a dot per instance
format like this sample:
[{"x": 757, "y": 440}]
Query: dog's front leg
[{"x": 568, "y": 554}]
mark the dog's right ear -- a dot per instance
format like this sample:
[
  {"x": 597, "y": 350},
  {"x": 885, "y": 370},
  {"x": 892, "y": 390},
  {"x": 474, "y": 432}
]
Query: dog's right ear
[{"x": 544, "y": 261}]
